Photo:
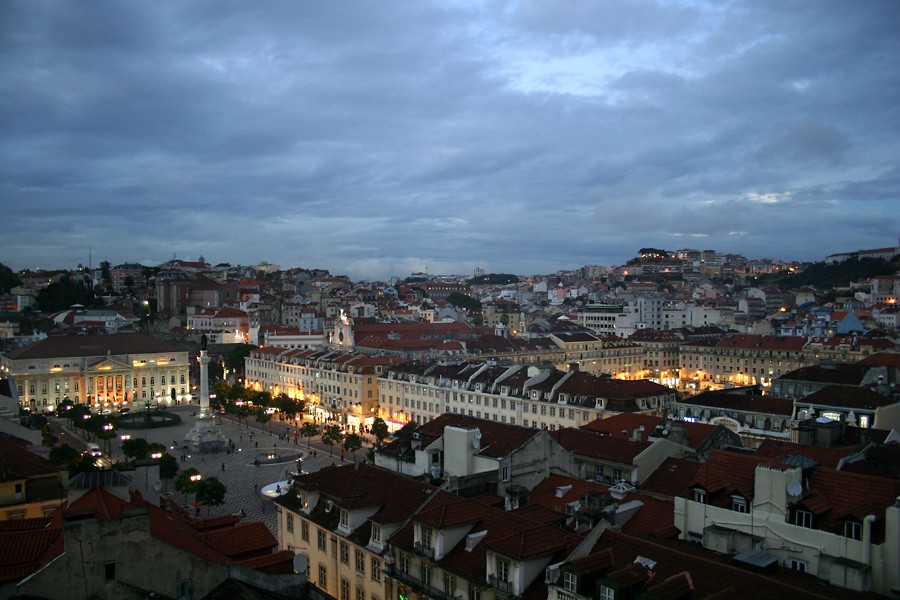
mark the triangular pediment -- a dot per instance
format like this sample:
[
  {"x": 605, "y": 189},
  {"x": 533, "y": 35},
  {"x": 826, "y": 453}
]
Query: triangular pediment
[{"x": 105, "y": 365}]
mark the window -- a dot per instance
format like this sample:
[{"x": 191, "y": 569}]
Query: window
[
  {"x": 376, "y": 569},
  {"x": 739, "y": 504},
  {"x": 290, "y": 522},
  {"x": 803, "y": 518},
  {"x": 607, "y": 593},
  {"x": 323, "y": 577},
  {"x": 474, "y": 593},
  {"x": 426, "y": 537},
  {"x": 426, "y": 573},
  {"x": 345, "y": 590},
  {"x": 853, "y": 530},
  {"x": 570, "y": 582},
  {"x": 404, "y": 563},
  {"x": 345, "y": 518},
  {"x": 345, "y": 553},
  {"x": 504, "y": 473},
  {"x": 700, "y": 495},
  {"x": 304, "y": 531},
  {"x": 797, "y": 565},
  {"x": 502, "y": 568},
  {"x": 360, "y": 562},
  {"x": 449, "y": 584},
  {"x": 109, "y": 571},
  {"x": 320, "y": 539},
  {"x": 360, "y": 593},
  {"x": 376, "y": 533}
]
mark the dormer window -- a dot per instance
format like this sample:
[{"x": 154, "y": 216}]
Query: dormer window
[
  {"x": 739, "y": 504},
  {"x": 700, "y": 495},
  {"x": 803, "y": 518},
  {"x": 570, "y": 582},
  {"x": 345, "y": 518},
  {"x": 376, "y": 533}
]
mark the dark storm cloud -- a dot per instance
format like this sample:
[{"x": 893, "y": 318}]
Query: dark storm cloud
[{"x": 378, "y": 138}]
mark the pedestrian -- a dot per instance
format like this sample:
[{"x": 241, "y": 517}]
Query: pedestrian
[
  {"x": 264, "y": 506},
  {"x": 255, "y": 487},
  {"x": 223, "y": 467},
  {"x": 257, "y": 444}
]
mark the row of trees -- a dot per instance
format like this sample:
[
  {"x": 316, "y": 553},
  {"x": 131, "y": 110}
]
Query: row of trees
[{"x": 243, "y": 403}]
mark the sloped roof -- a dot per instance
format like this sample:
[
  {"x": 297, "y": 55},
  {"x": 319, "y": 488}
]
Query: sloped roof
[
  {"x": 599, "y": 446},
  {"x": 16, "y": 462},
  {"x": 782, "y": 450},
  {"x": 672, "y": 477},
  {"x": 363, "y": 485},
  {"x": 71, "y": 346},
  {"x": 497, "y": 439},
  {"x": 846, "y": 397},
  {"x": 730, "y": 472}
]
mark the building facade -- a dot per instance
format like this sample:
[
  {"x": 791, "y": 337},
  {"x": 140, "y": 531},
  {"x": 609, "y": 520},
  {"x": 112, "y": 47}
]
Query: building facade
[{"x": 103, "y": 371}]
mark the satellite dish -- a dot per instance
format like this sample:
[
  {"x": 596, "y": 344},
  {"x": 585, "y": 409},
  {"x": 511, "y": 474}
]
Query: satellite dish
[
  {"x": 794, "y": 488},
  {"x": 157, "y": 486},
  {"x": 301, "y": 563}
]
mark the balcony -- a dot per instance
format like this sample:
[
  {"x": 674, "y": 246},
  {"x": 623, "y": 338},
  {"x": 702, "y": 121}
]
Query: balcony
[
  {"x": 423, "y": 588},
  {"x": 423, "y": 550},
  {"x": 500, "y": 585}
]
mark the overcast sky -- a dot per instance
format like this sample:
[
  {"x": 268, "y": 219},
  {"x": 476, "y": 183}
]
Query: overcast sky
[{"x": 377, "y": 138}]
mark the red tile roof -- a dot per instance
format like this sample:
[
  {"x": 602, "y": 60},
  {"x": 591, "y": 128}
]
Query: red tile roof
[
  {"x": 599, "y": 446},
  {"x": 65, "y": 346}
]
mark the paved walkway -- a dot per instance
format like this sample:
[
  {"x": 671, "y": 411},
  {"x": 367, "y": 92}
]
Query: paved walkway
[{"x": 238, "y": 471}]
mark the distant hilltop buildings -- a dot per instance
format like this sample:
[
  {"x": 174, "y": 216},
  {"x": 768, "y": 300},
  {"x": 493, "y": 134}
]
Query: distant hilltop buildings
[{"x": 882, "y": 253}]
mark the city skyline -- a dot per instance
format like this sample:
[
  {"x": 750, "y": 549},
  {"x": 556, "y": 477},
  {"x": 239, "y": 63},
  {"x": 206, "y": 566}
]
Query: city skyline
[{"x": 393, "y": 137}]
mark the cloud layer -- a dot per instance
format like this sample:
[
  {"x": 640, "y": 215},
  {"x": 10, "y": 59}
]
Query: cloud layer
[{"x": 379, "y": 138}]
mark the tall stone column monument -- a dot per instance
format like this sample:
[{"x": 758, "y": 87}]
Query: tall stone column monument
[{"x": 205, "y": 437}]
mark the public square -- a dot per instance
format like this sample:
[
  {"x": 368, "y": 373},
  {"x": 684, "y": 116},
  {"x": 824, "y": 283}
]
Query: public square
[{"x": 263, "y": 455}]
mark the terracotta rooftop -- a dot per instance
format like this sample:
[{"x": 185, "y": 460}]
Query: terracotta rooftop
[
  {"x": 72, "y": 346},
  {"x": 497, "y": 439},
  {"x": 841, "y": 396}
]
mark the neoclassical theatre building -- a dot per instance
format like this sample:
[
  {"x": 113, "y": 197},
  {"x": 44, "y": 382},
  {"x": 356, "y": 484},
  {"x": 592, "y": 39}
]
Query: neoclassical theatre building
[{"x": 105, "y": 371}]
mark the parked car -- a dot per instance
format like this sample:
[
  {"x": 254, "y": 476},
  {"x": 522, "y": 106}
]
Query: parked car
[{"x": 93, "y": 449}]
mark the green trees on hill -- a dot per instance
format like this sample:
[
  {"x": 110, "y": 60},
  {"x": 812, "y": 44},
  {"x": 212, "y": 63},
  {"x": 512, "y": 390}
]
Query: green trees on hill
[{"x": 824, "y": 276}]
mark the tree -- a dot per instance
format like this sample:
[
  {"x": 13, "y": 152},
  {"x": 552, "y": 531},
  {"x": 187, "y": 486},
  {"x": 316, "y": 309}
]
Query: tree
[
  {"x": 8, "y": 279},
  {"x": 210, "y": 492},
  {"x": 48, "y": 438},
  {"x": 63, "y": 454},
  {"x": 168, "y": 468},
  {"x": 331, "y": 436},
  {"x": 105, "y": 275},
  {"x": 135, "y": 448},
  {"x": 235, "y": 359},
  {"x": 262, "y": 417},
  {"x": 186, "y": 482},
  {"x": 83, "y": 464},
  {"x": 288, "y": 405},
  {"x": 309, "y": 430},
  {"x": 62, "y": 294},
  {"x": 464, "y": 301},
  {"x": 352, "y": 443},
  {"x": 379, "y": 429}
]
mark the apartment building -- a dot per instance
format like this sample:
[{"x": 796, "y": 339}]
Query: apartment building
[
  {"x": 538, "y": 396},
  {"x": 337, "y": 386},
  {"x": 341, "y": 518},
  {"x": 742, "y": 359},
  {"x": 842, "y": 527}
]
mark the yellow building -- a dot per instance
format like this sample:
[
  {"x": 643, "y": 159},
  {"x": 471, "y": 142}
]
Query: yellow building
[{"x": 30, "y": 486}]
